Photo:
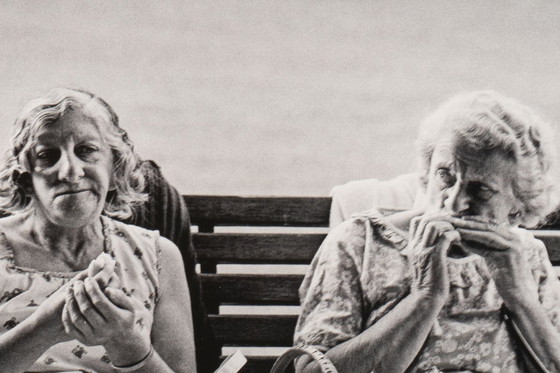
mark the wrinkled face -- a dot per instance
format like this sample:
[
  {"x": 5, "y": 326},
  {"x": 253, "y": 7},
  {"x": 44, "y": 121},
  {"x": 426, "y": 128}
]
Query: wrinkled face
[
  {"x": 71, "y": 171},
  {"x": 465, "y": 184}
]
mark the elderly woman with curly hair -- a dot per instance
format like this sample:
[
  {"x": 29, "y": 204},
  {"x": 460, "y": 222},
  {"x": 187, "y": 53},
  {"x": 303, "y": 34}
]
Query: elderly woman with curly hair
[
  {"x": 456, "y": 286},
  {"x": 80, "y": 291}
]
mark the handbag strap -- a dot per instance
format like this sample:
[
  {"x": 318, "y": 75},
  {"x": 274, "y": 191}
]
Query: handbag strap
[
  {"x": 531, "y": 357},
  {"x": 291, "y": 354}
]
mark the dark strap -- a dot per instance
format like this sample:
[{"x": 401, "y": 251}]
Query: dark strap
[{"x": 531, "y": 358}]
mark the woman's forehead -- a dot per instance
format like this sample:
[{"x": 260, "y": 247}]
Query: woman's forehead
[
  {"x": 73, "y": 123},
  {"x": 452, "y": 152}
]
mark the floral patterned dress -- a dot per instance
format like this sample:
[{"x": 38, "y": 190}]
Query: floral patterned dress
[
  {"x": 362, "y": 271},
  {"x": 22, "y": 290}
]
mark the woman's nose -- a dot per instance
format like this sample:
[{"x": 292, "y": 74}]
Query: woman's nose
[
  {"x": 70, "y": 168},
  {"x": 457, "y": 199}
]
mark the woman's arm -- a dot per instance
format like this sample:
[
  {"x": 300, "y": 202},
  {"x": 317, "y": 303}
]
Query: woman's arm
[
  {"x": 172, "y": 331},
  {"x": 506, "y": 250},
  {"x": 101, "y": 317},
  {"x": 392, "y": 343},
  {"x": 21, "y": 346}
]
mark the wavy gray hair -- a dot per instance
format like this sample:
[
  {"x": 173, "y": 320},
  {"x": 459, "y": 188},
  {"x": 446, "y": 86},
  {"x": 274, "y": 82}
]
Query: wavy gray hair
[
  {"x": 486, "y": 122},
  {"x": 47, "y": 109}
]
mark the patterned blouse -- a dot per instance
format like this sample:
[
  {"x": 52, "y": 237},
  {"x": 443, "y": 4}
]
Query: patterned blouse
[
  {"x": 361, "y": 272},
  {"x": 137, "y": 254}
]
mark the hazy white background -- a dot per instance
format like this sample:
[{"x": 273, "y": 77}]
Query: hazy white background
[{"x": 277, "y": 97}]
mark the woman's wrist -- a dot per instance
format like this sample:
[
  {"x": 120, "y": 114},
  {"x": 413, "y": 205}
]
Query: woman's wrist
[
  {"x": 123, "y": 354},
  {"x": 138, "y": 364},
  {"x": 429, "y": 300}
]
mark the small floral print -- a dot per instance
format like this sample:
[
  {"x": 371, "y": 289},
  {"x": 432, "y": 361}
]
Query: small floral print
[
  {"x": 105, "y": 359},
  {"x": 79, "y": 351},
  {"x": 148, "y": 305},
  {"x": 138, "y": 253},
  {"x": 11, "y": 323},
  {"x": 8, "y": 295},
  {"x": 49, "y": 360}
]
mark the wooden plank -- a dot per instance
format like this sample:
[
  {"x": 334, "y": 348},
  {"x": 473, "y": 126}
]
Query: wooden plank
[
  {"x": 251, "y": 289},
  {"x": 551, "y": 239},
  {"x": 256, "y": 248},
  {"x": 253, "y": 330},
  {"x": 259, "y": 211}
]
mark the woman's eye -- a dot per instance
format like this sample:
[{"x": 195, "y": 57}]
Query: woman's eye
[
  {"x": 483, "y": 192},
  {"x": 445, "y": 176},
  {"x": 86, "y": 150},
  {"x": 48, "y": 155}
]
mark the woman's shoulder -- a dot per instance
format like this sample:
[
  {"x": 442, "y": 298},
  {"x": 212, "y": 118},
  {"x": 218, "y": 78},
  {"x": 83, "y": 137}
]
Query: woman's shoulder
[
  {"x": 375, "y": 225},
  {"x": 364, "y": 235},
  {"x": 119, "y": 228}
]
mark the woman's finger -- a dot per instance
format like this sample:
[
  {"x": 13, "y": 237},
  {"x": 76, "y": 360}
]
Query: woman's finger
[
  {"x": 87, "y": 305},
  {"x": 433, "y": 231},
  {"x": 414, "y": 222},
  {"x": 120, "y": 299},
  {"x": 474, "y": 224},
  {"x": 490, "y": 240},
  {"x": 104, "y": 306},
  {"x": 66, "y": 322},
  {"x": 76, "y": 318}
]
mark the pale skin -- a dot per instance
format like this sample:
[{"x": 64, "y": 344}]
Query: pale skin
[
  {"x": 72, "y": 171},
  {"x": 471, "y": 203}
]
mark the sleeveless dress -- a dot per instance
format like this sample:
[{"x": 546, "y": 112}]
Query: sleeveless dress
[
  {"x": 22, "y": 290},
  {"x": 362, "y": 271}
]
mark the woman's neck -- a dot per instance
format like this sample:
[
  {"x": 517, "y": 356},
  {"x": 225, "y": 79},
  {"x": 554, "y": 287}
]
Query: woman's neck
[{"x": 73, "y": 245}]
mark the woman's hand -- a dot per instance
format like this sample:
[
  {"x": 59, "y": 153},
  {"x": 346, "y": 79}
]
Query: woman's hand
[
  {"x": 504, "y": 249},
  {"x": 50, "y": 311},
  {"x": 431, "y": 237},
  {"x": 107, "y": 317}
]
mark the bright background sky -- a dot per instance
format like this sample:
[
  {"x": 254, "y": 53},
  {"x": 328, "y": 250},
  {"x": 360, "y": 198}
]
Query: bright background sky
[{"x": 275, "y": 97}]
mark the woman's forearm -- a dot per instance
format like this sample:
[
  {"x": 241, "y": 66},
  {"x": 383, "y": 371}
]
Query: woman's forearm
[
  {"x": 391, "y": 344},
  {"x": 21, "y": 346},
  {"x": 539, "y": 332}
]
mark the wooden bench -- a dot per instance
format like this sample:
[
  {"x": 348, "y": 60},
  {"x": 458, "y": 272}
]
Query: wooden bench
[{"x": 235, "y": 237}]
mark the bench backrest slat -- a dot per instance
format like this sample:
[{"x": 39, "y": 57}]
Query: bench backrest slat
[
  {"x": 257, "y": 248},
  {"x": 254, "y": 330},
  {"x": 257, "y": 211},
  {"x": 247, "y": 289}
]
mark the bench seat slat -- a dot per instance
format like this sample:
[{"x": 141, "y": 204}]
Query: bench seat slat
[
  {"x": 245, "y": 248},
  {"x": 251, "y": 289},
  {"x": 260, "y": 364},
  {"x": 259, "y": 211},
  {"x": 253, "y": 330}
]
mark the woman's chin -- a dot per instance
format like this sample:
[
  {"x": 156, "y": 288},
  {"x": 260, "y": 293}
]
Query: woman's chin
[{"x": 75, "y": 217}]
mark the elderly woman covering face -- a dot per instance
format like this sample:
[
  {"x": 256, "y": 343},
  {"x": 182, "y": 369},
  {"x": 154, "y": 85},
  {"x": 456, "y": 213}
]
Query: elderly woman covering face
[
  {"x": 426, "y": 291},
  {"x": 80, "y": 291}
]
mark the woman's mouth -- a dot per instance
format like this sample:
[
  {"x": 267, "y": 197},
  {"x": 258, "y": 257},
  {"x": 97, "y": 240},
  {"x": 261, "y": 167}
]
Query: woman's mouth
[{"x": 71, "y": 192}]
